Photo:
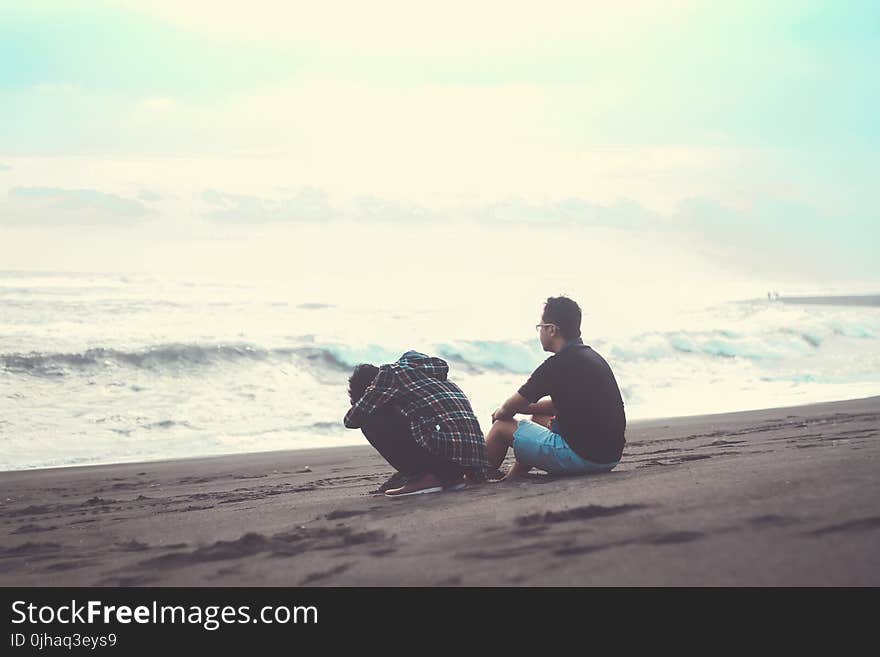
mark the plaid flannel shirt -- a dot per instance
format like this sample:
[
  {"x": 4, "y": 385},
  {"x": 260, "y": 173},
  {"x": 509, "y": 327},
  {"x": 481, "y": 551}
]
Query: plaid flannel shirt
[{"x": 440, "y": 415}]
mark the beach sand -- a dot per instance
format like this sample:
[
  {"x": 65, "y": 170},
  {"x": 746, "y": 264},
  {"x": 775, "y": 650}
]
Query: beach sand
[{"x": 786, "y": 496}]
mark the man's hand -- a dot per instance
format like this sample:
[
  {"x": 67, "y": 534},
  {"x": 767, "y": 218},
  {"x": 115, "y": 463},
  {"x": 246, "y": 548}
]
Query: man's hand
[
  {"x": 514, "y": 405},
  {"x": 516, "y": 470}
]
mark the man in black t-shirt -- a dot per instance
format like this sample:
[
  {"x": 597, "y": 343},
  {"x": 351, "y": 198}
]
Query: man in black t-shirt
[{"x": 580, "y": 428}]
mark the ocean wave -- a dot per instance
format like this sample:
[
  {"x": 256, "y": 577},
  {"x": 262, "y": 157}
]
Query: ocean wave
[
  {"x": 168, "y": 424},
  {"x": 348, "y": 356},
  {"x": 516, "y": 357},
  {"x": 328, "y": 361},
  {"x": 473, "y": 355},
  {"x": 59, "y": 364},
  {"x": 335, "y": 358},
  {"x": 767, "y": 344},
  {"x": 714, "y": 344}
]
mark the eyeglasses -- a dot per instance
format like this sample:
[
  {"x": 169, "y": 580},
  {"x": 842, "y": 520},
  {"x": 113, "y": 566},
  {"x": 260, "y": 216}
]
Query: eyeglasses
[{"x": 538, "y": 327}]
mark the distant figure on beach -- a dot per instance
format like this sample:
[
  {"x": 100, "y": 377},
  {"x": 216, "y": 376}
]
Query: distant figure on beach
[
  {"x": 420, "y": 422},
  {"x": 580, "y": 428}
]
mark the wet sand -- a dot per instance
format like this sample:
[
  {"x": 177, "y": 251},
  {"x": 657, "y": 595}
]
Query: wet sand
[{"x": 785, "y": 496}]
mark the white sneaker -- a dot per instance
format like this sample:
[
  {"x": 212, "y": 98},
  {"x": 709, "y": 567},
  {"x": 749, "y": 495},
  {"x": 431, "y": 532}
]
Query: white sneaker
[{"x": 421, "y": 486}]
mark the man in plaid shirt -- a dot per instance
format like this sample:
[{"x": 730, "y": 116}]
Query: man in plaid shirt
[{"x": 421, "y": 422}]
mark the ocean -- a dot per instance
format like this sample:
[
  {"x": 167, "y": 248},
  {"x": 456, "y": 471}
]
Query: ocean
[{"x": 101, "y": 367}]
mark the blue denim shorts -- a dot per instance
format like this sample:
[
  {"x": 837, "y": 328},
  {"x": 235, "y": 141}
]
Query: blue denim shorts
[{"x": 537, "y": 446}]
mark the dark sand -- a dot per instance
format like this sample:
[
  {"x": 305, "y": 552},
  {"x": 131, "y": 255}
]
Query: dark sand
[{"x": 777, "y": 497}]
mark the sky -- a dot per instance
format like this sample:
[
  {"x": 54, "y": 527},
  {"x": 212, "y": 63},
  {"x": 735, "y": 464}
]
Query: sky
[{"x": 743, "y": 131}]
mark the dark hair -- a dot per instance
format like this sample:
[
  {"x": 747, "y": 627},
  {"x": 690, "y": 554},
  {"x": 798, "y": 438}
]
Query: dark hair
[
  {"x": 566, "y": 314},
  {"x": 360, "y": 379}
]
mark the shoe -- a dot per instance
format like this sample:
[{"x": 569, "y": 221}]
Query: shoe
[
  {"x": 455, "y": 484},
  {"x": 416, "y": 486},
  {"x": 396, "y": 480}
]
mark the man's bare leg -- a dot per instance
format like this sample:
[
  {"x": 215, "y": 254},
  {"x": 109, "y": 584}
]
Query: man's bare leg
[
  {"x": 499, "y": 440},
  {"x": 519, "y": 468}
]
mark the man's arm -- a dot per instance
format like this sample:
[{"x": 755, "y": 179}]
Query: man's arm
[
  {"x": 516, "y": 404},
  {"x": 378, "y": 393},
  {"x": 537, "y": 387},
  {"x": 542, "y": 407}
]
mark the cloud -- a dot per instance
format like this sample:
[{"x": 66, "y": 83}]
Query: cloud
[
  {"x": 573, "y": 210},
  {"x": 53, "y": 206},
  {"x": 311, "y": 204},
  {"x": 149, "y": 196},
  {"x": 372, "y": 208},
  {"x": 308, "y": 204},
  {"x": 396, "y": 25},
  {"x": 56, "y": 45},
  {"x": 779, "y": 237}
]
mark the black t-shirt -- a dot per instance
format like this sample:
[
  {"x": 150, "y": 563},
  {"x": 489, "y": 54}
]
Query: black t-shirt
[{"x": 589, "y": 408}]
